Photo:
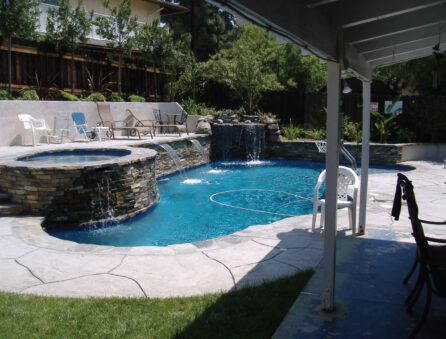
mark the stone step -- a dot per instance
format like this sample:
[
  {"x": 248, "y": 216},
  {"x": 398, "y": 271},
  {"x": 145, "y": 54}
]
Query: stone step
[
  {"x": 11, "y": 209},
  {"x": 4, "y": 197}
]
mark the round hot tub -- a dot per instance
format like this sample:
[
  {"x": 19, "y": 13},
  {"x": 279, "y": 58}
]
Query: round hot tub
[{"x": 82, "y": 187}]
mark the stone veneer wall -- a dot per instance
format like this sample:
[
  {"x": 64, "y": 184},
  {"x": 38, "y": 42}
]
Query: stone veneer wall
[
  {"x": 83, "y": 195},
  {"x": 186, "y": 151},
  {"x": 307, "y": 150}
]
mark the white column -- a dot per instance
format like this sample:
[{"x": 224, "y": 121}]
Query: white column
[
  {"x": 331, "y": 184},
  {"x": 364, "y": 155}
]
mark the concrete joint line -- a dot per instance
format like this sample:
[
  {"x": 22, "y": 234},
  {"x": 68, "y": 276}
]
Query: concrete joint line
[
  {"x": 258, "y": 262},
  {"x": 229, "y": 270},
  {"x": 134, "y": 280},
  {"x": 120, "y": 263},
  {"x": 29, "y": 270}
]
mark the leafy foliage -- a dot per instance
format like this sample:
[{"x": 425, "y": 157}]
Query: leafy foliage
[
  {"x": 317, "y": 134},
  {"x": 292, "y": 132},
  {"x": 119, "y": 29},
  {"x": 193, "y": 108},
  {"x": 29, "y": 95},
  {"x": 19, "y": 18},
  {"x": 352, "y": 130},
  {"x": 215, "y": 28},
  {"x": 4, "y": 95},
  {"x": 384, "y": 125},
  {"x": 66, "y": 96},
  {"x": 136, "y": 98},
  {"x": 115, "y": 98},
  {"x": 96, "y": 96}
]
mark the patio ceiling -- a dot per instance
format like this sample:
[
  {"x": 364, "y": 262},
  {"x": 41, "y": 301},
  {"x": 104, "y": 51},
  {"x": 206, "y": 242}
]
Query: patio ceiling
[{"x": 360, "y": 35}]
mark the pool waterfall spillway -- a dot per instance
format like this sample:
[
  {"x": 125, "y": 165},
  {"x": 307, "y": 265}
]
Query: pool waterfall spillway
[
  {"x": 200, "y": 149},
  {"x": 245, "y": 141},
  {"x": 173, "y": 155}
]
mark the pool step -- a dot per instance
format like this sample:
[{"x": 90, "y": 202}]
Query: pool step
[{"x": 9, "y": 208}]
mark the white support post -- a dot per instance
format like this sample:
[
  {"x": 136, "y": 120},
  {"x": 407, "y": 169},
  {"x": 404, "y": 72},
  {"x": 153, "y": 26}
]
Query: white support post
[
  {"x": 366, "y": 89},
  {"x": 331, "y": 185}
]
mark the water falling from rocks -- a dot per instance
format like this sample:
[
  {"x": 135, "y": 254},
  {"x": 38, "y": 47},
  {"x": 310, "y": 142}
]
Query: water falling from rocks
[
  {"x": 245, "y": 141},
  {"x": 200, "y": 149},
  {"x": 174, "y": 158}
]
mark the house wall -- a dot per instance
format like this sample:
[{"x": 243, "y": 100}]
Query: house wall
[{"x": 13, "y": 133}]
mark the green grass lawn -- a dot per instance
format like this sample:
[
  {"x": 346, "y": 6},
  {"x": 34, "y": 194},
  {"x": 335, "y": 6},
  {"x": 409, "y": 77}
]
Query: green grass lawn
[{"x": 253, "y": 312}]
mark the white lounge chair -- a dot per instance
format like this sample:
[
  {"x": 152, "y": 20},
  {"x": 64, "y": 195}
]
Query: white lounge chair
[
  {"x": 347, "y": 178},
  {"x": 35, "y": 125}
]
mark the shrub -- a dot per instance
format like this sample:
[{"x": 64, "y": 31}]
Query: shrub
[
  {"x": 267, "y": 117},
  {"x": 405, "y": 135},
  {"x": 193, "y": 108},
  {"x": 136, "y": 98},
  {"x": 115, "y": 98},
  {"x": 318, "y": 134},
  {"x": 96, "y": 96},
  {"x": 292, "y": 132},
  {"x": 4, "y": 95},
  {"x": 352, "y": 130},
  {"x": 29, "y": 95},
  {"x": 66, "y": 96}
]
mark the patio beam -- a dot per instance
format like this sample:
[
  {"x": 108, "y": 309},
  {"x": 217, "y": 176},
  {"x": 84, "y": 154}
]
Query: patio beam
[
  {"x": 350, "y": 13},
  {"x": 397, "y": 39},
  {"x": 365, "y": 154},
  {"x": 406, "y": 56},
  {"x": 431, "y": 16},
  {"x": 428, "y": 42},
  {"x": 331, "y": 184}
]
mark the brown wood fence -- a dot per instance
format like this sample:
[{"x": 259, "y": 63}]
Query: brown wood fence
[{"x": 37, "y": 67}]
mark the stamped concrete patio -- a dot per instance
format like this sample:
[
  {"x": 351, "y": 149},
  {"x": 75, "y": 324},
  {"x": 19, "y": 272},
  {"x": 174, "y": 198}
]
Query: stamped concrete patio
[{"x": 31, "y": 261}]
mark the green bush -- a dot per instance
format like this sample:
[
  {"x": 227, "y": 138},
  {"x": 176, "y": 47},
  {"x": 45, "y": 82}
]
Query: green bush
[
  {"x": 136, "y": 98},
  {"x": 29, "y": 95},
  {"x": 96, "y": 96},
  {"x": 352, "y": 130},
  {"x": 405, "y": 135},
  {"x": 66, "y": 96},
  {"x": 292, "y": 132},
  {"x": 193, "y": 108},
  {"x": 318, "y": 134},
  {"x": 4, "y": 95},
  {"x": 266, "y": 117},
  {"x": 115, "y": 98}
]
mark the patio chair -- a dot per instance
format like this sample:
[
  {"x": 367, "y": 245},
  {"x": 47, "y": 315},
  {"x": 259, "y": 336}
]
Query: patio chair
[
  {"x": 347, "y": 178},
  {"x": 61, "y": 130},
  {"x": 35, "y": 125},
  {"x": 108, "y": 121},
  {"x": 171, "y": 122},
  {"x": 80, "y": 123},
  {"x": 146, "y": 125},
  {"x": 431, "y": 258}
]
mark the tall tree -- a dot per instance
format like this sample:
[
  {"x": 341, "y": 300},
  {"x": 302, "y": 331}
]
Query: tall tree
[
  {"x": 119, "y": 29},
  {"x": 66, "y": 28},
  {"x": 210, "y": 27},
  {"x": 18, "y": 18},
  {"x": 156, "y": 45}
]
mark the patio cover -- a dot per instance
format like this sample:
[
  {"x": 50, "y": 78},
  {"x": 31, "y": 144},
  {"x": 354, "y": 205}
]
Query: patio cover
[{"x": 354, "y": 37}]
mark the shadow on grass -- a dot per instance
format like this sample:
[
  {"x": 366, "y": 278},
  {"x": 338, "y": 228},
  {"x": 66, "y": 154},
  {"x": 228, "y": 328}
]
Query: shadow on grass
[{"x": 250, "y": 311}]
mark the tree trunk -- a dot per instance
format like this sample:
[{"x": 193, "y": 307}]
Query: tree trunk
[
  {"x": 72, "y": 72},
  {"x": 119, "y": 73},
  {"x": 9, "y": 67},
  {"x": 145, "y": 81}
]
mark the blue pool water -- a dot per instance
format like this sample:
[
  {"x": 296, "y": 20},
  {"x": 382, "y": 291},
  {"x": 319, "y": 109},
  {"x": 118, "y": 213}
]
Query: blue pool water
[
  {"x": 242, "y": 194},
  {"x": 73, "y": 157}
]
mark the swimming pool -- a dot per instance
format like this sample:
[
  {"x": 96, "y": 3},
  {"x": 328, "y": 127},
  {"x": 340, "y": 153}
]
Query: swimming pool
[
  {"x": 70, "y": 157},
  {"x": 213, "y": 201}
]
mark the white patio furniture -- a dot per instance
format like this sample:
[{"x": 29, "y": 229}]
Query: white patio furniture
[
  {"x": 348, "y": 182},
  {"x": 35, "y": 125}
]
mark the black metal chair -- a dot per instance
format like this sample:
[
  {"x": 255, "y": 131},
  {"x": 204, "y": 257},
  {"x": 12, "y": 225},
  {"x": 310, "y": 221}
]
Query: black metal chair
[{"x": 430, "y": 258}]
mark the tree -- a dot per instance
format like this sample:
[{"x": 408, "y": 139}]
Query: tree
[
  {"x": 425, "y": 76},
  {"x": 66, "y": 28},
  {"x": 18, "y": 18},
  {"x": 214, "y": 27},
  {"x": 156, "y": 45},
  {"x": 119, "y": 29}
]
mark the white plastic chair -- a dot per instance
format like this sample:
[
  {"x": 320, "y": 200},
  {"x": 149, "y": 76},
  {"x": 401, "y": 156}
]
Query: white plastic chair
[
  {"x": 347, "y": 179},
  {"x": 35, "y": 125}
]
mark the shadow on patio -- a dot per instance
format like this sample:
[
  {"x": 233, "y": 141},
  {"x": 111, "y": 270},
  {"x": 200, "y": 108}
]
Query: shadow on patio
[{"x": 369, "y": 294}]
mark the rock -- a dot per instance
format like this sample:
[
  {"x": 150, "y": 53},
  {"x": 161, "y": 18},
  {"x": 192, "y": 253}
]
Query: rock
[
  {"x": 203, "y": 127},
  {"x": 234, "y": 121},
  {"x": 272, "y": 126},
  {"x": 220, "y": 121},
  {"x": 247, "y": 121}
]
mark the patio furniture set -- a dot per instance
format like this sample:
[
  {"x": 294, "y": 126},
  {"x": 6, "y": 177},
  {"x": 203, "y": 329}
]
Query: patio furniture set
[{"x": 150, "y": 123}]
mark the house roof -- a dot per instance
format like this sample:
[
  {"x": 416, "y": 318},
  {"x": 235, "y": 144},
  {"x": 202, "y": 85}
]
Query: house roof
[
  {"x": 169, "y": 8},
  {"x": 360, "y": 34}
]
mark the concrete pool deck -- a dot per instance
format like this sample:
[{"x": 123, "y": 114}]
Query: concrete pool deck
[{"x": 33, "y": 262}]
